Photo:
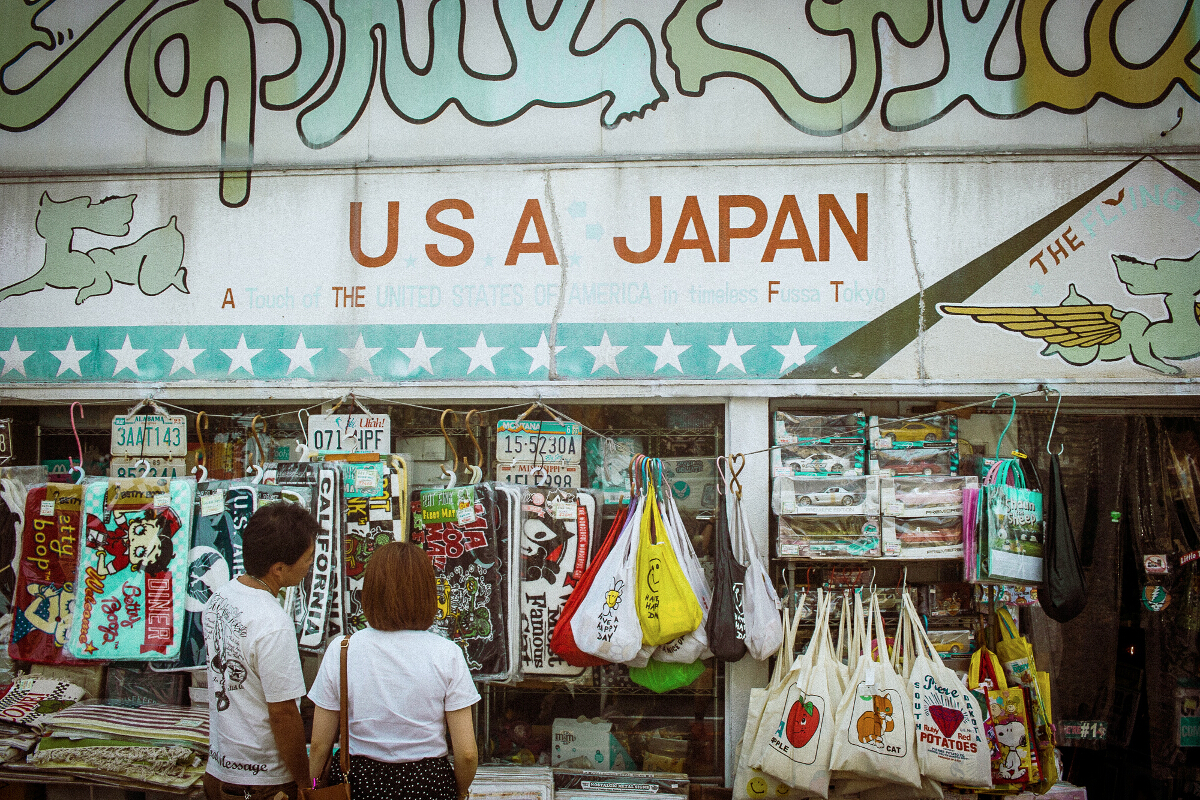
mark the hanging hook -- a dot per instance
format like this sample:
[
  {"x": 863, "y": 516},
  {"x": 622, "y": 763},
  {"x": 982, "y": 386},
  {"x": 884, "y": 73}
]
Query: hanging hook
[
  {"x": 478, "y": 450},
  {"x": 737, "y": 463},
  {"x": 142, "y": 466},
  {"x": 77, "y": 470},
  {"x": 203, "y": 470},
  {"x": 1011, "y": 416},
  {"x": 202, "y": 456},
  {"x": 1054, "y": 421},
  {"x": 257, "y": 472},
  {"x": 257, "y": 442},
  {"x": 450, "y": 444},
  {"x": 75, "y": 431}
]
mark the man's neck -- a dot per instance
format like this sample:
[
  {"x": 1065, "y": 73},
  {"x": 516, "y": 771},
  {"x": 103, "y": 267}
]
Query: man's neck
[{"x": 257, "y": 583}]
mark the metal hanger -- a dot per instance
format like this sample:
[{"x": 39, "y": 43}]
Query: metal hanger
[
  {"x": 202, "y": 456},
  {"x": 1011, "y": 416},
  {"x": 477, "y": 467},
  {"x": 1054, "y": 421},
  {"x": 450, "y": 473},
  {"x": 73, "y": 466}
]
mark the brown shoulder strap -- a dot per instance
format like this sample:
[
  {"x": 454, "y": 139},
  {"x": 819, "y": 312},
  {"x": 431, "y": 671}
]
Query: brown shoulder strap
[{"x": 345, "y": 716}]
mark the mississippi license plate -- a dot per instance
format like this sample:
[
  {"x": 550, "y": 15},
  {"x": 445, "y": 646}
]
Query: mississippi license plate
[
  {"x": 149, "y": 435},
  {"x": 558, "y": 476},
  {"x": 528, "y": 442},
  {"x": 350, "y": 433}
]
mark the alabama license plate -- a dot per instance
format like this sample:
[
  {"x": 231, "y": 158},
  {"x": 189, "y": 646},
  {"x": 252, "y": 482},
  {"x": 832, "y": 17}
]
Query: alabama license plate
[{"x": 149, "y": 435}]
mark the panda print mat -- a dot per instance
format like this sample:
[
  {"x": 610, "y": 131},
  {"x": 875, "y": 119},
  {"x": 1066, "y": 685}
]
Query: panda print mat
[{"x": 556, "y": 541}]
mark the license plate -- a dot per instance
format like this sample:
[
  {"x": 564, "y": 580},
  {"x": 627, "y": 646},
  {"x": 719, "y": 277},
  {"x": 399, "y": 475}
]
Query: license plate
[
  {"x": 149, "y": 435},
  {"x": 526, "y": 442},
  {"x": 159, "y": 468},
  {"x": 350, "y": 433},
  {"x": 558, "y": 476},
  {"x": 6, "y": 450}
]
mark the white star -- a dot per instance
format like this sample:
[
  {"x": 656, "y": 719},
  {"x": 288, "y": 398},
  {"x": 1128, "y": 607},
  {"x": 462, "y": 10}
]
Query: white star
[
  {"x": 541, "y": 353},
  {"x": 126, "y": 357},
  {"x": 481, "y": 355},
  {"x": 68, "y": 359},
  {"x": 241, "y": 357},
  {"x": 183, "y": 357},
  {"x": 667, "y": 353},
  {"x": 14, "y": 358},
  {"x": 300, "y": 356},
  {"x": 420, "y": 356},
  {"x": 360, "y": 356},
  {"x": 793, "y": 352},
  {"x": 605, "y": 354},
  {"x": 731, "y": 353}
]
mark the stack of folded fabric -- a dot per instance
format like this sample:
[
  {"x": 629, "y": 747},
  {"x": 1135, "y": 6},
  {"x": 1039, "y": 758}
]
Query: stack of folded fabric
[
  {"x": 24, "y": 708},
  {"x": 149, "y": 747}
]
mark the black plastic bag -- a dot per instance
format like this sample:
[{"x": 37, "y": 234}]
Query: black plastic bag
[
  {"x": 726, "y": 627},
  {"x": 1063, "y": 593}
]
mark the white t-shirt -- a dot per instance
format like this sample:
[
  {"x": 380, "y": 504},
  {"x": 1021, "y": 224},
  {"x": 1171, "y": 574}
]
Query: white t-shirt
[
  {"x": 402, "y": 683},
  {"x": 252, "y": 661}
]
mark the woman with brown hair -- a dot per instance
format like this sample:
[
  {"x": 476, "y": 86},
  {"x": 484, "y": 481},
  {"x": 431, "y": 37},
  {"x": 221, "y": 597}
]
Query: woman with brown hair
[{"x": 408, "y": 688}]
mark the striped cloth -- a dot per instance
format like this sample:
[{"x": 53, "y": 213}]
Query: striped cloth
[{"x": 152, "y": 723}]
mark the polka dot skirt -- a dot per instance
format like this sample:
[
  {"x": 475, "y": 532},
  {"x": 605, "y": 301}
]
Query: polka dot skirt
[{"x": 427, "y": 779}]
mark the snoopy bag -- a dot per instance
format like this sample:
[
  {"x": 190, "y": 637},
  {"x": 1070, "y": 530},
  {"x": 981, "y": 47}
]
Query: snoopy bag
[
  {"x": 606, "y": 623},
  {"x": 874, "y": 718},
  {"x": 666, "y": 604},
  {"x": 952, "y": 745}
]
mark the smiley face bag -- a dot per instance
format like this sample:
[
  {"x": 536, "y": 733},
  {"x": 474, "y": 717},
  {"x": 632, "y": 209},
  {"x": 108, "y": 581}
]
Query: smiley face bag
[{"x": 666, "y": 604}]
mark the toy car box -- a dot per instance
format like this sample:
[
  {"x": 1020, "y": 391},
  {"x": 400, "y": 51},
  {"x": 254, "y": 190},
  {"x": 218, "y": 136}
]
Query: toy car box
[
  {"x": 826, "y": 496},
  {"x": 917, "y": 461},
  {"x": 828, "y": 537},
  {"x": 935, "y": 495},
  {"x": 792, "y": 428},
  {"x": 922, "y": 537},
  {"x": 819, "y": 461},
  {"x": 938, "y": 430}
]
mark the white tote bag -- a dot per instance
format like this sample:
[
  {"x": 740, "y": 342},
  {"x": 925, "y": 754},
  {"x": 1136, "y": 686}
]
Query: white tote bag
[
  {"x": 951, "y": 744},
  {"x": 749, "y": 783},
  {"x": 694, "y": 645},
  {"x": 606, "y": 623},
  {"x": 798, "y": 753},
  {"x": 772, "y": 705},
  {"x": 764, "y": 628},
  {"x": 875, "y": 721}
]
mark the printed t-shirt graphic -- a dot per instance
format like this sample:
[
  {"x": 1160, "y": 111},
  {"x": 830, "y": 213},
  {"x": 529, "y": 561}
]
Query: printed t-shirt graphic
[
  {"x": 555, "y": 539},
  {"x": 221, "y": 512},
  {"x": 373, "y": 518},
  {"x": 133, "y": 569},
  {"x": 471, "y": 581},
  {"x": 45, "y": 595}
]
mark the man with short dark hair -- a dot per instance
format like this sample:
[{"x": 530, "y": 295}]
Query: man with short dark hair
[{"x": 256, "y": 737}]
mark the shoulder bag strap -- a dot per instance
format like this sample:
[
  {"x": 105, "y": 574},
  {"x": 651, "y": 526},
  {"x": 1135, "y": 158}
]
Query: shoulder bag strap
[{"x": 345, "y": 716}]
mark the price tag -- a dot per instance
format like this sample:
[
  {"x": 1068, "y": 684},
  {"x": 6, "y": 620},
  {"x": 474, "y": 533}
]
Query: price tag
[
  {"x": 149, "y": 435},
  {"x": 47, "y": 508},
  {"x": 350, "y": 433},
  {"x": 212, "y": 502},
  {"x": 162, "y": 500},
  {"x": 557, "y": 476},
  {"x": 526, "y": 442},
  {"x": 562, "y": 509},
  {"x": 366, "y": 479}
]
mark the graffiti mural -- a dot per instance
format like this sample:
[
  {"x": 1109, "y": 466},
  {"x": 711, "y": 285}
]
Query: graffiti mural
[{"x": 453, "y": 71}]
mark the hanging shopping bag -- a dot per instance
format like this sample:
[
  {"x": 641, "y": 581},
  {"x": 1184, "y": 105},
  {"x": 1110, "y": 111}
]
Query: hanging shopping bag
[
  {"x": 874, "y": 737},
  {"x": 1009, "y": 748},
  {"x": 773, "y": 704},
  {"x": 1063, "y": 593},
  {"x": 951, "y": 742},
  {"x": 1013, "y": 527},
  {"x": 562, "y": 641},
  {"x": 666, "y": 605},
  {"x": 606, "y": 623},
  {"x": 1020, "y": 669},
  {"x": 798, "y": 752},
  {"x": 726, "y": 626},
  {"x": 764, "y": 628},
  {"x": 694, "y": 645},
  {"x": 750, "y": 783},
  {"x": 661, "y": 676}
]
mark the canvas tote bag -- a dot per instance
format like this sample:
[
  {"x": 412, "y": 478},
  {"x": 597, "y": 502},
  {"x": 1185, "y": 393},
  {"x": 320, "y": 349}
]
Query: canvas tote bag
[{"x": 606, "y": 622}]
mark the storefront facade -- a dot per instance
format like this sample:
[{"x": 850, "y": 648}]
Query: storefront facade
[{"x": 600, "y": 203}]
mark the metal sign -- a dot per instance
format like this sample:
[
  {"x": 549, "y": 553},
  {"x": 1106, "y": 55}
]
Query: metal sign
[
  {"x": 350, "y": 433},
  {"x": 149, "y": 435},
  {"x": 6, "y": 447},
  {"x": 532, "y": 442},
  {"x": 123, "y": 467}
]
